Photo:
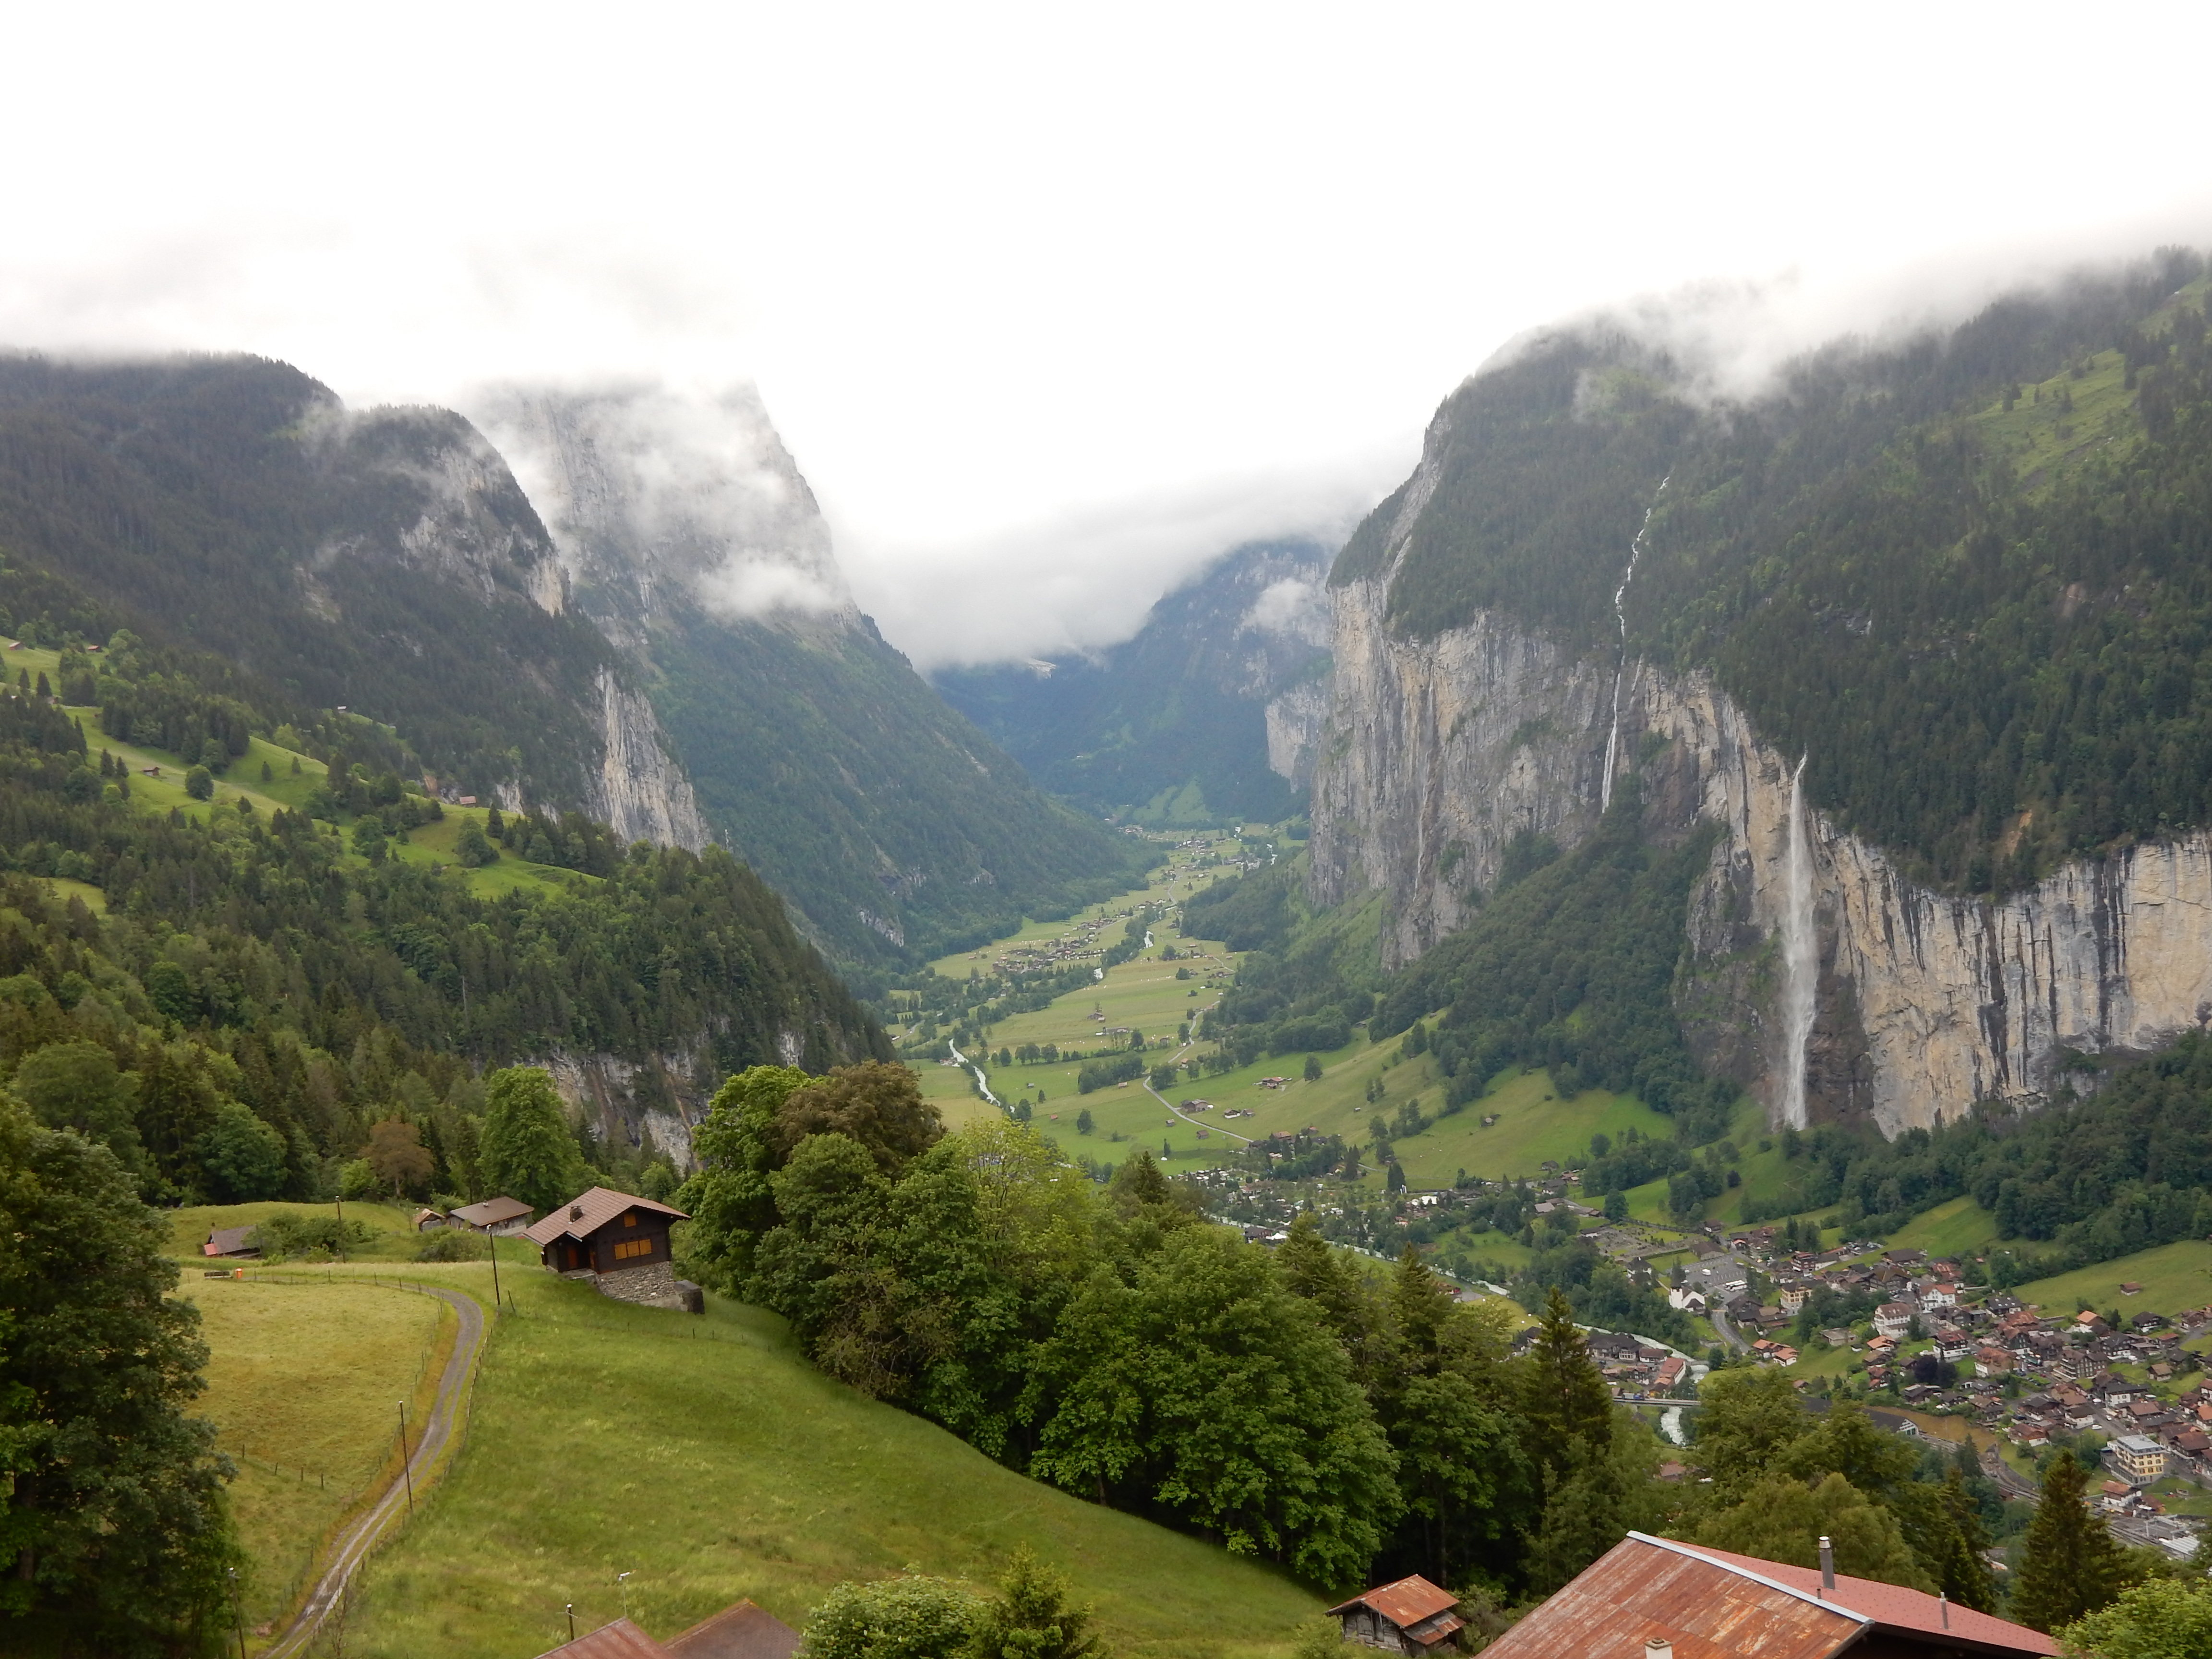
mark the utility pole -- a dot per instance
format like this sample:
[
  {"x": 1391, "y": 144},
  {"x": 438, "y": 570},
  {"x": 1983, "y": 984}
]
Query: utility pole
[
  {"x": 408, "y": 1474},
  {"x": 237, "y": 1618},
  {"x": 495, "y": 1273}
]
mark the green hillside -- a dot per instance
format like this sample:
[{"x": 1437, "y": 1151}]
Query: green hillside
[
  {"x": 710, "y": 1460},
  {"x": 1967, "y": 574},
  {"x": 836, "y": 772},
  {"x": 385, "y": 562}
]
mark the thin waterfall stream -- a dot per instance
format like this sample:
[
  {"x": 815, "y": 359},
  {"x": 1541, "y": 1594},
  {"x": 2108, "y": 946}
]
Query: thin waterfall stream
[
  {"x": 1620, "y": 617},
  {"x": 1800, "y": 964}
]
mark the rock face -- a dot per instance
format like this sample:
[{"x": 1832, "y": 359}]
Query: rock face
[
  {"x": 1436, "y": 754},
  {"x": 640, "y": 790}
]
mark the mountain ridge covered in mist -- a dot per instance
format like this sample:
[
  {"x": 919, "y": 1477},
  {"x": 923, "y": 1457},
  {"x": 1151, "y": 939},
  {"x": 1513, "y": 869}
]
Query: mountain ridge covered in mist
[{"x": 1205, "y": 715}]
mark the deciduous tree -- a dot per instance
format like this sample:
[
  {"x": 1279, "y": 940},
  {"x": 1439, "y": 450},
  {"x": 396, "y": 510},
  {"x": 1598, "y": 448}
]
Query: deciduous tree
[{"x": 528, "y": 1151}]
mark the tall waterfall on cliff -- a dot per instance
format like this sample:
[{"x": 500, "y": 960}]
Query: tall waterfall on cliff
[
  {"x": 1799, "y": 963},
  {"x": 1620, "y": 615}
]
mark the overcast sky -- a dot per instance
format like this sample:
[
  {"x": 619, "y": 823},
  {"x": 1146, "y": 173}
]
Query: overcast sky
[{"x": 1051, "y": 303}]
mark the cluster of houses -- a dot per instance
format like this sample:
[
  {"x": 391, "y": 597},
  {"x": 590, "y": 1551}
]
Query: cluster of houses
[{"x": 1635, "y": 1369}]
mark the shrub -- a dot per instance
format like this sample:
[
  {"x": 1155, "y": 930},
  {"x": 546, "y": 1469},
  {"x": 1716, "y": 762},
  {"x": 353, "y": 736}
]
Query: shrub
[
  {"x": 304, "y": 1232},
  {"x": 199, "y": 783},
  {"x": 450, "y": 1244}
]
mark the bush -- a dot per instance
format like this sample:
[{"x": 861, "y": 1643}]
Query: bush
[
  {"x": 356, "y": 1181},
  {"x": 199, "y": 783},
  {"x": 450, "y": 1244},
  {"x": 907, "y": 1618},
  {"x": 304, "y": 1232},
  {"x": 473, "y": 848}
]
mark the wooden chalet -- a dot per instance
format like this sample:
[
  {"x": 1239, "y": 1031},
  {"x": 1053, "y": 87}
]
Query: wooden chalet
[
  {"x": 620, "y": 1242},
  {"x": 741, "y": 1631},
  {"x": 495, "y": 1215},
  {"x": 1412, "y": 1617},
  {"x": 1657, "y": 1596}
]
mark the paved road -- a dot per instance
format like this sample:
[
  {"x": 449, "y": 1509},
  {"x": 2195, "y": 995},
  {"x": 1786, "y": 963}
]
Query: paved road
[
  {"x": 1728, "y": 1333},
  {"x": 353, "y": 1544}
]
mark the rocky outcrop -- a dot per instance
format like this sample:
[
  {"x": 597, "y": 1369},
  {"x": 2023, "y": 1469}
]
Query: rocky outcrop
[
  {"x": 1436, "y": 753},
  {"x": 640, "y": 790}
]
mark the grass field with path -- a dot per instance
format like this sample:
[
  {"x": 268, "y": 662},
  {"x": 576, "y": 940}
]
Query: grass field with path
[
  {"x": 304, "y": 1382},
  {"x": 709, "y": 1458}
]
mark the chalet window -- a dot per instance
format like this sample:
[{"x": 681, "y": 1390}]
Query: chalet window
[
  {"x": 630, "y": 1219},
  {"x": 625, "y": 1248}
]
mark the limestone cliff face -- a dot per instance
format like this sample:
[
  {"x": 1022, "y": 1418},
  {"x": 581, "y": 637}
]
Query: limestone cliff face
[
  {"x": 640, "y": 790},
  {"x": 1436, "y": 753}
]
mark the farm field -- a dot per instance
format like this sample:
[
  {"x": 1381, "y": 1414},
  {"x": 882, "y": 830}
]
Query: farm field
[
  {"x": 303, "y": 1385},
  {"x": 708, "y": 1459},
  {"x": 2173, "y": 1277}
]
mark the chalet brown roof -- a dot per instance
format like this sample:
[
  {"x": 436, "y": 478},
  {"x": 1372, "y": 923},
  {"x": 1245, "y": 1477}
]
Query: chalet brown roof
[
  {"x": 1405, "y": 1603},
  {"x": 580, "y": 1218},
  {"x": 743, "y": 1631},
  {"x": 1712, "y": 1604},
  {"x": 491, "y": 1211},
  {"x": 620, "y": 1640}
]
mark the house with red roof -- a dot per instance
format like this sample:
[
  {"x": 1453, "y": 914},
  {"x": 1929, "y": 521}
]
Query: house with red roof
[{"x": 1412, "y": 1616}]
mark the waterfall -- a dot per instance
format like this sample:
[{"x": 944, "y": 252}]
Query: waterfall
[
  {"x": 1620, "y": 672},
  {"x": 1801, "y": 969}
]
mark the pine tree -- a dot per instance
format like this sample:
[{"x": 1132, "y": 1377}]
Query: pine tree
[
  {"x": 2071, "y": 1566},
  {"x": 1031, "y": 1619},
  {"x": 1564, "y": 1397}
]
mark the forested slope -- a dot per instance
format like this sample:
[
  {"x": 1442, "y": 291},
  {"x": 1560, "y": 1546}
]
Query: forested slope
[
  {"x": 385, "y": 562},
  {"x": 1967, "y": 573}
]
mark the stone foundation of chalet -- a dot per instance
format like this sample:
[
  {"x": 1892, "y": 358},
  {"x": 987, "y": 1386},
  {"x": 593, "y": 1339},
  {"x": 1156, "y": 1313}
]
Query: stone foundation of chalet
[{"x": 653, "y": 1285}]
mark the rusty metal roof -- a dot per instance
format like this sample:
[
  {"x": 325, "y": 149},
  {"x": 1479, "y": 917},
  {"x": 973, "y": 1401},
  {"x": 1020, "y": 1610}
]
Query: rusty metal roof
[
  {"x": 1709, "y": 1609},
  {"x": 743, "y": 1631},
  {"x": 620, "y": 1640},
  {"x": 580, "y": 1218},
  {"x": 1407, "y": 1602},
  {"x": 1892, "y": 1607},
  {"x": 1713, "y": 1604}
]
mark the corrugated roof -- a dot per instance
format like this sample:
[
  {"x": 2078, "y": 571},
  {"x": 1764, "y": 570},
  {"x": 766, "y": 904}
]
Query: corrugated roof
[
  {"x": 1715, "y": 1604},
  {"x": 580, "y": 1218},
  {"x": 620, "y": 1640},
  {"x": 491, "y": 1211},
  {"x": 743, "y": 1631},
  {"x": 230, "y": 1240},
  {"x": 1896, "y": 1607},
  {"x": 1641, "y": 1589},
  {"x": 1405, "y": 1603}
]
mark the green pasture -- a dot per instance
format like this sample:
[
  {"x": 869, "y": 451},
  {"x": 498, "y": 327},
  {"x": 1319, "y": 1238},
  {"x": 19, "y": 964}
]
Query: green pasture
[
  {"x": 706, "y": 1458},
  {"x": 1959, "y": 1227},
  {"x": 2173, "y": 1277},
  {"x": 394, "y": 1237},
  {"x": 304, "y": 1382}
]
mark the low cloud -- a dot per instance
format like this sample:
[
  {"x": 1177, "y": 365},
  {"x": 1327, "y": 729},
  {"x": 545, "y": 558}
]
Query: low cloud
[
  {"x": 1083, "y": 581},
  {"x": 1292, "y": 606}
]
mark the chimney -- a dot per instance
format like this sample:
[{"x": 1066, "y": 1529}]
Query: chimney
[
  {"x": 1944, "y": 1601},
  {"x": 1827, "y": 1567},
  {"x": 577, "y": 1213},
  {"x": 1658, "y": 1648}
]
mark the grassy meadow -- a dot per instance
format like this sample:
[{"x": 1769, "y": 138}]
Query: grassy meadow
[
  {"x": 2173, "y": 1277},
  {"x": 707, "y": 1458},
  {"x": 304, "y": 1382}
]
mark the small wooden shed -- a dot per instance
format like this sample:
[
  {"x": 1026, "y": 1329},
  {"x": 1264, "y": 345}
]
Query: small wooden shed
[
  {"x": 500, "y": 1215},
  {"x": 1412, "y": 1617},
  {"x": 231, "y": 1241}
]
